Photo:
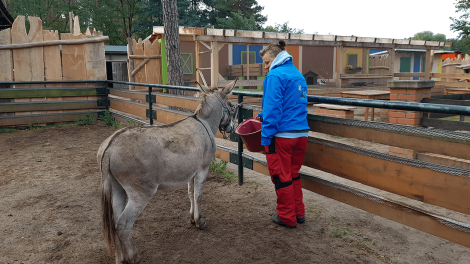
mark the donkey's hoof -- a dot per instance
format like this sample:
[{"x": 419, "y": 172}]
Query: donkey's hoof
[{"x": 202, "y": 224}]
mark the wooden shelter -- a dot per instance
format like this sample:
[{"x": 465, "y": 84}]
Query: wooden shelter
[{"x": 215, "y": 39}]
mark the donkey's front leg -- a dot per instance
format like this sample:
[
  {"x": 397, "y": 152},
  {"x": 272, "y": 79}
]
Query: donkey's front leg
[
  {"x": 191, "y": 198},
  {"x": 199, "y": 180}
]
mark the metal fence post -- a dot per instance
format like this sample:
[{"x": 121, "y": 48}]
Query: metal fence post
[
  {"x": 150, "y": 105},
  {"x": 240, "y": 143}
]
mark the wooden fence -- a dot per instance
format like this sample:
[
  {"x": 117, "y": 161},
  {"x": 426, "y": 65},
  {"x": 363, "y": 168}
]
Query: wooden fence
[
  {"x": 432, "y": 184},
  {"x": 36, "y": 56},
  {"x": 147, "y": 57},
  {"x": 380, "y": 64}
]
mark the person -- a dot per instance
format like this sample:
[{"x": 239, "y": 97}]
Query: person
[{"x": 284, "y": 131}]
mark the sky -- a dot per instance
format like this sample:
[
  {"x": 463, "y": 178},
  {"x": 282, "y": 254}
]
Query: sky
[{"x": 396, "y": 19}]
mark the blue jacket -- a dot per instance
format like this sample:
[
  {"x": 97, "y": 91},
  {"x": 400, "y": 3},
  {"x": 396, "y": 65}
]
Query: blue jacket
[{"x": 284, "y": 101}]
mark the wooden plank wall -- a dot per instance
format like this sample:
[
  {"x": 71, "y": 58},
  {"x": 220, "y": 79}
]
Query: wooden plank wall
[
  {"x": 152, "y": 71},
  {"x": 45, "y": 63}
]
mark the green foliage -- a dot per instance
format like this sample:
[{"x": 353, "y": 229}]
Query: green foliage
[
  {"x": 342, "y": 232},
  {"x": 7, "y": 130},
  {"x": 85, "y": 120},
  {"x": 429, "y": 36},
  {"x": 219, "y": 168},
  {"x": 50, "y": 11},
  {"x": 461, "y": 24},
  {"x": 109, "y": 120},
  {"x": 249, "y": 10},
  {"x": 238, "y": 20},
  {"x": 283, "y": 28}
]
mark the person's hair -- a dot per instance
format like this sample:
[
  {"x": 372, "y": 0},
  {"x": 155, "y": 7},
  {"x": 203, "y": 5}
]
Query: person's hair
[{"x": 273, "y": 49}]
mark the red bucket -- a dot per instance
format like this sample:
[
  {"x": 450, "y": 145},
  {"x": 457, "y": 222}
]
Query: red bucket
[{"x": 250, "y": 131}]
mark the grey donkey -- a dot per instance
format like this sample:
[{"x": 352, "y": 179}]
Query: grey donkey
[{"x": 136, "y": 162}]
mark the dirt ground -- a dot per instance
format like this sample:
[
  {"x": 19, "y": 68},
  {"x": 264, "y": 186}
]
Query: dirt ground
[{"x": 50, "y": 207}]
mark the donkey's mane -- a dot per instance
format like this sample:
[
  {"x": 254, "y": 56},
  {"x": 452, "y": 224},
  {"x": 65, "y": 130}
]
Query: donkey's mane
[{"x": 202, "y": 109}]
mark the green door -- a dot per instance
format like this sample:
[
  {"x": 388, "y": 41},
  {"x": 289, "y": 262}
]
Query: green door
[{"x": 405, "y": 64}]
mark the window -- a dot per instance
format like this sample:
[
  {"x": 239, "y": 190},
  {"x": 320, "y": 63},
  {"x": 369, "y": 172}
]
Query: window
[
  {"x": 252, "y": 57},
  {"x": 187, "y": 63},
  {"x": 352, "y": 60}
]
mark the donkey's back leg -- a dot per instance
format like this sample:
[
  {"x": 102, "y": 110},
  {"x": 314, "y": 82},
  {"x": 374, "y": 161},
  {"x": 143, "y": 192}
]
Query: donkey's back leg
[
  {"x": 136, "y": 202},
  {"x": 119, "y": 202},
  {"x": 199, "y": 180},
  {"x": 191, "y": 198}
]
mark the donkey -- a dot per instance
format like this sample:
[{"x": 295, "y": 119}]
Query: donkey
[{"x": 136, "y": 162}]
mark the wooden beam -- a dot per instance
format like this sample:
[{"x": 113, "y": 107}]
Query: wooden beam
[
  {"x": 48, "y": 106},
  {"x": 31, "y": 119},
  {"x": 198, "y": 62},
  {"x": 339, "y": 65},
  {"x": 429, "y": 62},
  {"x": 446, "y": 124},
  {"x": 54, "y": 43},
  {"x": 454, "y": 84},
  {"x": 399, "y": 212},
  {"x": 214, "y": 63},
  {"x": 409, "y": 74},
  {"x": 207, "y": 46},
  {"x": 299, "y": 42},
  {"x": 247, "y": 62},
  {"x": 161, "y": 99},
  {"x": 461, "y": 76},
  {"x": 221, "y": 46},
  {"x": 419, "y": 183},
  {"x": 145, "y": 57},
  {"x": 422, "y": 143},
  {"x": 392, "y": 61},
  {"x": 141, "y": 65},
  {"x": 50, "y": 92}
]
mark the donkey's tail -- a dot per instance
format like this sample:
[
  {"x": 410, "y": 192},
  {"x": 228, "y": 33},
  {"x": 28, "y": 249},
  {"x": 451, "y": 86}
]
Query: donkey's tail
[{"x": 107, "y": 213}]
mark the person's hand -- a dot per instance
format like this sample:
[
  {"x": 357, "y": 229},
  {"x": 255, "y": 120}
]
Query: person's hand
[{"x": 257, "y": 118}]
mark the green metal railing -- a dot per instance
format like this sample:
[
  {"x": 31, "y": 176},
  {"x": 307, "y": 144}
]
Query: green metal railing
[{"x": 422, "y": 107}]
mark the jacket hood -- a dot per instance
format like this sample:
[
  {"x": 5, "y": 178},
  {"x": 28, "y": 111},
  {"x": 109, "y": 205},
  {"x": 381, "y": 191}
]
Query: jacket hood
[{"x": 280, "y": 59}]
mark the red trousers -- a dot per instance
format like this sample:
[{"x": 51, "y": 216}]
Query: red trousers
[{"x": 285, "y": 157}]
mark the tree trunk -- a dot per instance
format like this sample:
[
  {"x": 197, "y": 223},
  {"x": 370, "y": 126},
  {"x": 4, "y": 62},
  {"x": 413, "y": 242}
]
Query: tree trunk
[{"x": 172, "y": 45}]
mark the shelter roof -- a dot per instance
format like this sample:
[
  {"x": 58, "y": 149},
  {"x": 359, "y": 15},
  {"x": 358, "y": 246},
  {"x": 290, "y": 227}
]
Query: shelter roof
[
  {"x": 111, "y": 49},
  {"x": 263, "y": 38}
]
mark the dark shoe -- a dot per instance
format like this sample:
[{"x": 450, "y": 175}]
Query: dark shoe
[
  {"x": 278, "y": 221},
  {"x": 301, "y": 220}
]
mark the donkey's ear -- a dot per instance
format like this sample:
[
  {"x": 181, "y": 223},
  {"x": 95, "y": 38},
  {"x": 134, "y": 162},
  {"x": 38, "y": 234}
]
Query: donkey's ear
[
  {"x": 229, "y": 87},
  {"x": 202, "y": 88}
]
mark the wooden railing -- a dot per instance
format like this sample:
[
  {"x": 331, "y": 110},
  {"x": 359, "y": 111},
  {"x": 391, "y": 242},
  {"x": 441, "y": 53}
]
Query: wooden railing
[{"x": 242, "y": 70}]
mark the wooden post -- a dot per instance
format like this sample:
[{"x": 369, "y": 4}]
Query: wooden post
[
  {"x": 130, "y": 62},
  {"x": 429, "y": 62},
  {"x": 198, "y": 63},
  {"x": 247, "y": 62},
  {"x": 339, "y": 65},
  {"x": 365, "y": 57},
  {"x": 71, "y": 21},
  {"x": 391, "y": 53},
  {"x": 214, "y": 64}
]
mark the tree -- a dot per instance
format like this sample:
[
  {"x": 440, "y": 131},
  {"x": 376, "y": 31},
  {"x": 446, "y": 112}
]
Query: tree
[
  {"x": 247, "y": 9},
  {"x": 172, "y": 44},
  {"x": 238, "y": 21},
  {"x": 429, "y": 36},
  {"x": 191, "y": 13},
  {"x": 54, "y": 14},
  {"x": 284, "y": 28},
  {"x": 461, "y": 24}
]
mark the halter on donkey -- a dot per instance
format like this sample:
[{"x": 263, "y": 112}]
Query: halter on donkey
[{"x": 136, "y": 162}]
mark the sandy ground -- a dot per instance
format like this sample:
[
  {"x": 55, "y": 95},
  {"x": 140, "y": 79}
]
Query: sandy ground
[{"x": 49, "y": 183}]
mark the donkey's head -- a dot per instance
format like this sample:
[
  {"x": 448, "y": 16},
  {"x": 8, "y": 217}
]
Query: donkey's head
[{"x": 212, "y": 98}]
